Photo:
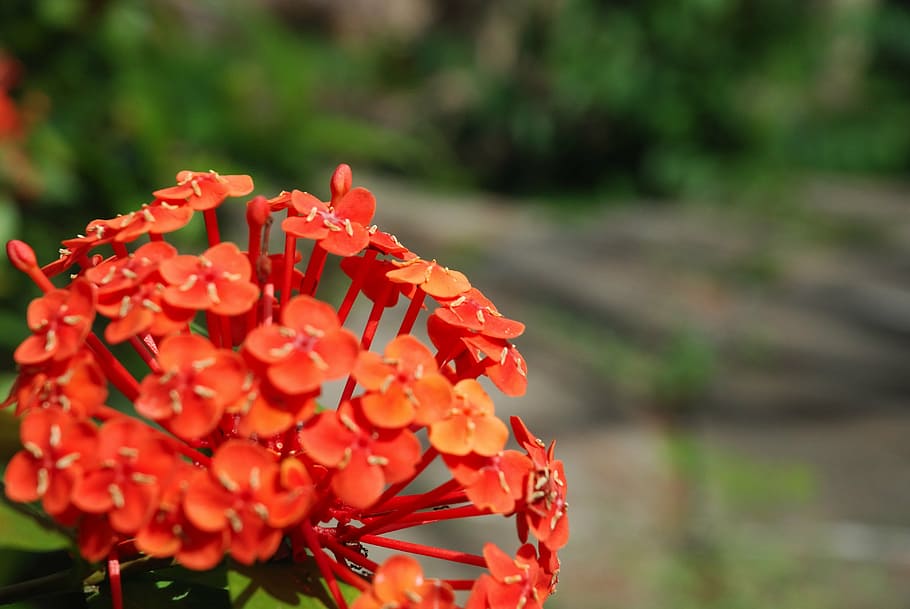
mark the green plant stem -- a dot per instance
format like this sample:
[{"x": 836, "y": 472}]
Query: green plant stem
[{"x": 60, "y": 582}]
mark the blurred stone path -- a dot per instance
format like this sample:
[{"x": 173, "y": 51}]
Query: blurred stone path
[{"x": 782, "y": 333}]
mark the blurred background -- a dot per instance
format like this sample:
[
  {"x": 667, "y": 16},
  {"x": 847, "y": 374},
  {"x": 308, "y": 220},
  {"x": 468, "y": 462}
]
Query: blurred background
[{"x": 697, "y": 206}]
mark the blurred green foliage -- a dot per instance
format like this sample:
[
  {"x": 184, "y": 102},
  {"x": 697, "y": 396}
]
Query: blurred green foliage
[
  {"x": 562, "y": 100},
  {"x": 662, "y": 96}
]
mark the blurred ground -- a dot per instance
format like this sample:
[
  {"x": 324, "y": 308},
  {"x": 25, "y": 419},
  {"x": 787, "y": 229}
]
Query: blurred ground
[{"x": 727, "y": 387}]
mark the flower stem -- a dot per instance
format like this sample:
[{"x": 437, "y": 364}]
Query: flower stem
[
  {"x": 213, "y": 328},
  {"x": 313, "y": 270},
  {"x": 410, "y": 316},
  {"x": 119, "y": 250},
  {"x": 113, "y": 574},
  {"x": 211, "y": 227},
  {"x": 115, "y": 372},
  {"x": 356, "y": 283},
  {"x": 396, "y": 488},
  {"x": 369, "y": 332},
  {"x": 417, "y": 519},
  {"x": 290, "y": 251},
  {"x": 418, "y": 548},
  {"x": 409, "y": 503},
  {"x": 147, "y": 356},
  {"x": 324, "y": 563},
  {"x": 348, "y": 553}
]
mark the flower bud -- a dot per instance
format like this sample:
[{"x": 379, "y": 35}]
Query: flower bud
[{"x": 341, "y": 181}]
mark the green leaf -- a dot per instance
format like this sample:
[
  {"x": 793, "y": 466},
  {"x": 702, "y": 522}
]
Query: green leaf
[
  {"x": 22, "y": 531},
  {"x": 282, "y": 584}
]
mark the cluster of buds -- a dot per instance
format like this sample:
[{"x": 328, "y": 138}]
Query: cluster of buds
[{"x": 228, "y": 444}]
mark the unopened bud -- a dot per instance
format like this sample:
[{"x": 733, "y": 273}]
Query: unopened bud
[
  {"x": 257, "y": 211},
  {"x": 341, "y": 181},
  {"x": 21, "y": 255}
]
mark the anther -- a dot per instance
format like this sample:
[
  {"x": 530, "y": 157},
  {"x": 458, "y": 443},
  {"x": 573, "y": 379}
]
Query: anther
[
  {"x": 318, "y": 361},
  {"x": 54, "y": 438},
  {"x": 212, "y": 292},
  {"x": 128, "y": 452},
  {"x": 176, "y": 403},
  {"x": 50, "y": 340},
  {"x": 43, "y": 482},
  {"x": 116, "y": 495},
  {"x": 204, "y": 392},
  {"x": 67, "y": 460},
  {"x": 227, "y": 482}
]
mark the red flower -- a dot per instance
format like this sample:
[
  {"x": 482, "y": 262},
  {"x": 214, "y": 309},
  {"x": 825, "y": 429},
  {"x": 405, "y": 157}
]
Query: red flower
[
  {"x": 60, "y": 320},
  {"x": 470, "y": 425},
  {"x": 388, "y": 243},
  {"x": 157, "y": 218},
  {"x": 170, "y": 533},
  {"x": 242, "y": 495},
  {"x": 132, "y": 466},
  {"x": 216, "y": 281},
  {"x": 339, "y": 228},
  {"x": 376, "y": 285},
  {"x": 57, "y": 449},
  {"x": 196, "y": 383},
  {"x": 434, "y": 279},
  {"x": 205, "y": 190},
  {"x": 477, "y": 354},
  {"x": 494, "y": 483},
  {"x": 545, "y": 493},
  {"x": 120, "y": 274},
  {"x": 130, "y": 293},
  {"x": 518, "y": 582},
  {"x": 76, "y": 386},
  {"x": 403, "y": 385},
  {"x": 264, "y": 411},
  {"x": 308, "y": 348},
  {"x": 399, "y": 583},
  {"x": 473, "y": 311},
  {"x": 364, "y": 459}
]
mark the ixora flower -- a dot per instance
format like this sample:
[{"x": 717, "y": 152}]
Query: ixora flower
[{"x": 226, "y": 441}]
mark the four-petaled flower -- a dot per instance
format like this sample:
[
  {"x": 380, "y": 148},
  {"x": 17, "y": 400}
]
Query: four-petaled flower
[
  {"x": 242, "y": 495},
  {"x": 205, "y": 190},
  {"x": 545, "y": 492},
  {"x": 60, "y": 320},
  {"x": 403, "y": 384},
  {"x": 399, "y": 584},
  {"x": 218, "y": 280},
  {"x": 308, "y": 348},
  {"x": 131, "y": 466},
  {"x": 513, "y": 583},
  {"x": 365, "y": 458},
  {"x": 196, "y": 383},
  {"x": 469, "y": 425},
  {"x": 339, "y": 228},
  {"x": 57, "y": 450},
  {"x": 433, "y": 278}
]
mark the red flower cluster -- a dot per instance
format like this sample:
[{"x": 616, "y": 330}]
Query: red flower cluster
[{"x": 251, "y": 453}]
